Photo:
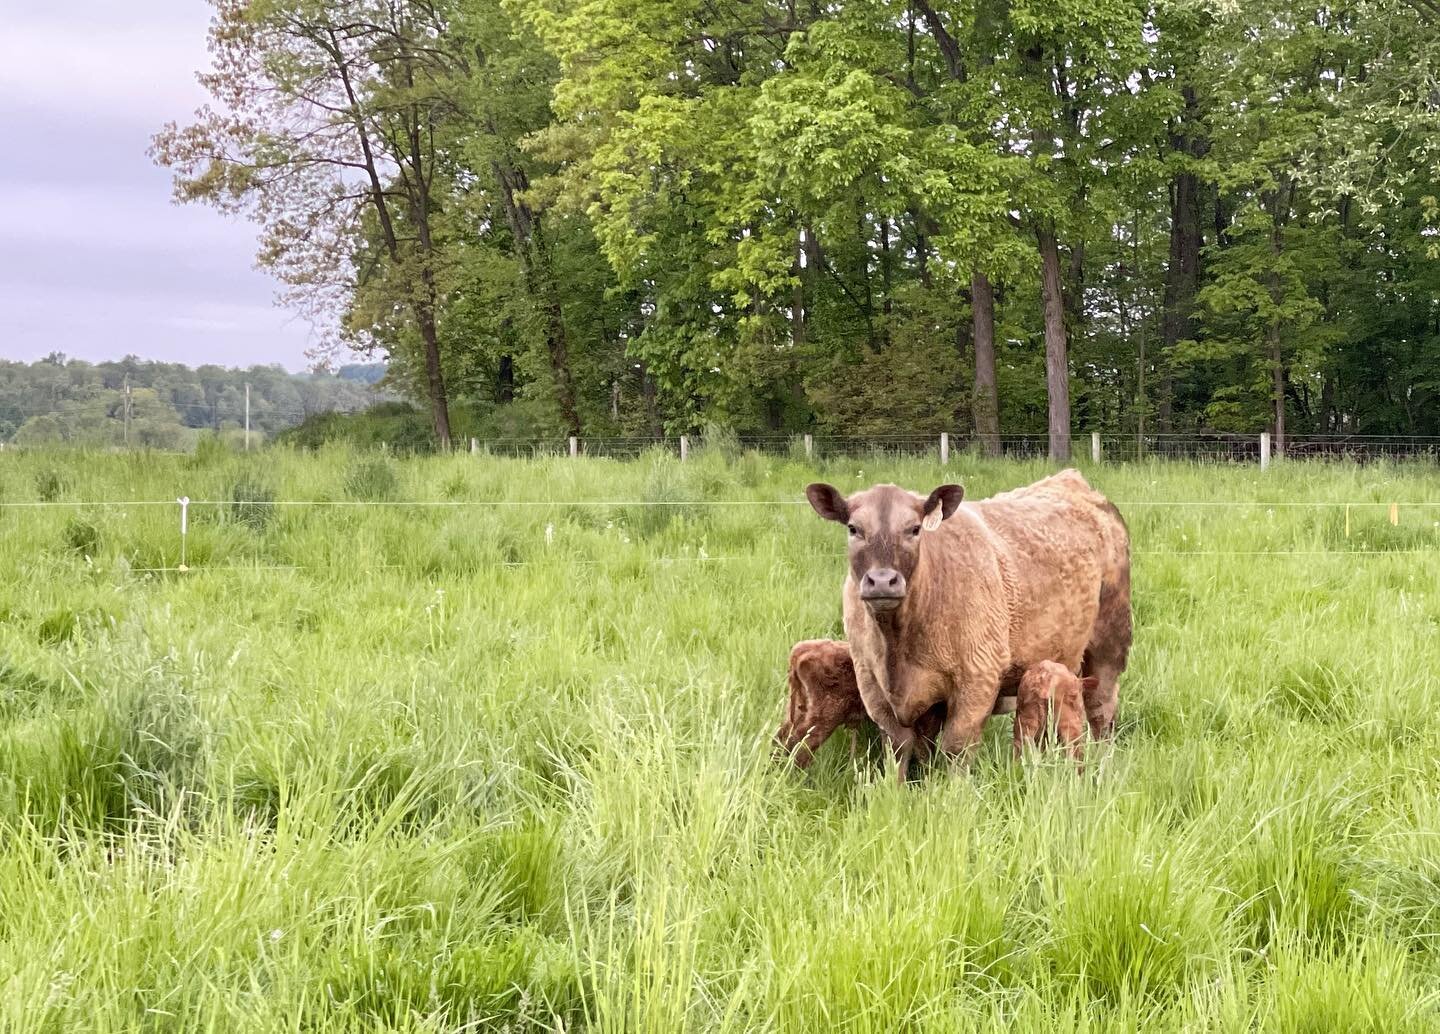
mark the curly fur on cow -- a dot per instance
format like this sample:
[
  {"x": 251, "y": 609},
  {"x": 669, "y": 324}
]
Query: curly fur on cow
[{"x": 948, "y": 602}]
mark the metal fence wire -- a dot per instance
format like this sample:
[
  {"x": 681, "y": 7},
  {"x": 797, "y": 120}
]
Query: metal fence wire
[
  {"x": 1193, "y": 447},
  {"x": 1120, "y": 448}
]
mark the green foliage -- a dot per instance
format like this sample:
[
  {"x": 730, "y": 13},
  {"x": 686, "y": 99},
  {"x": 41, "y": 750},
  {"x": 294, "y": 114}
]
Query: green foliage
[
  {"x": 634, "y": 217},
  {"x": 82, "y": 535},
  {"x": 252, "y": 503},
  {"x": 59, "y": 400},
  {"x": 397, "y": 425},
  {"x": 49, "y": 484},
  {"x": 371, "y": 479},
  {"x": 58, "y": 627}
]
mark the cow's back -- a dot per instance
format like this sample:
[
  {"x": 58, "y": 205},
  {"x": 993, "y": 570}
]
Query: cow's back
[{"x": 1058, "y": 547}]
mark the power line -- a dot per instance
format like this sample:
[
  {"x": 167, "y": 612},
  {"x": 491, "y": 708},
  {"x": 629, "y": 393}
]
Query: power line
[{"x": 560, "y": 504}]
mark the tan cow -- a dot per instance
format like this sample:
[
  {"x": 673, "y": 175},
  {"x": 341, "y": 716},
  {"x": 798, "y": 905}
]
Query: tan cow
[{"x": 950, "y": 602}]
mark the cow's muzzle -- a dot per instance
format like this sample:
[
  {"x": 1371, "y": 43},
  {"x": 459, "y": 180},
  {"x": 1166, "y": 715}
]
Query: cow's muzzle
[{"x": 882, "y": 589}]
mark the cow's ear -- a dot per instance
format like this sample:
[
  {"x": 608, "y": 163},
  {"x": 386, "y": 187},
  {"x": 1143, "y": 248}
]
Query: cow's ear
[
  {"x": 947, "y": 499},
  {"x": 1090, "y": 683},
  {"x": 828, "y": 502}
]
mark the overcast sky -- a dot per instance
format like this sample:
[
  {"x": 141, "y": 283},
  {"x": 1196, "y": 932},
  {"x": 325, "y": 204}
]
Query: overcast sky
[{"x": 95, "y": 259}]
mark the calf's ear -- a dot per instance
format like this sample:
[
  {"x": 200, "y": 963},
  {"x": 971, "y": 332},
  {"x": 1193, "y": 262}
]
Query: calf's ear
[
  {"x": 947, "y": 498},
  {"x": 828, "y": 502}
]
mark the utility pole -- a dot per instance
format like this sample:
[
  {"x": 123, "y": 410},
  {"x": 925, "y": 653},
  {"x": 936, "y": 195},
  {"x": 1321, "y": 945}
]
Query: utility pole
[{"x": 247, "y": 416}]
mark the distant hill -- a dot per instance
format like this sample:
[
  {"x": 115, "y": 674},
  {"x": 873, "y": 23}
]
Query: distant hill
[{"x": 58, "y": 400}]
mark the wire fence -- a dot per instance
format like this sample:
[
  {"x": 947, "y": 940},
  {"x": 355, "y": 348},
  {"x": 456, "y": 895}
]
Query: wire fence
[
  {"x": 1378, "y": 531},
  {"x": 1097, "y": 447},
  {"x": 1192, "y": 447}
]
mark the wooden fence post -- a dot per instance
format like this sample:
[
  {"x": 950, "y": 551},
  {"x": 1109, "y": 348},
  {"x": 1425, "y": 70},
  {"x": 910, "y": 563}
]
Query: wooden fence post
[
  {"x": 809, "y": 447},
  {"x": 684, "y": 448},
  {"x": 1264, "y": 450},
  {"x": 574, "y": 446},
  {"x": 474, "y": 446},
  {"x": 944, "y": 448},
  {"x": 1095, "y": 446}
]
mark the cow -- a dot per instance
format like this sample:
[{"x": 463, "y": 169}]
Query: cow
[
  {"x": 1049, "y": 695},
  {"x": 949, "y": 602},
  {"x": 825, "y": 696}
]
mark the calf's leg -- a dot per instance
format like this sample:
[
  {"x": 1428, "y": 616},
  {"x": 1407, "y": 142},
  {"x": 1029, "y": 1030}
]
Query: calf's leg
[{"x": 1070, "y": 724}]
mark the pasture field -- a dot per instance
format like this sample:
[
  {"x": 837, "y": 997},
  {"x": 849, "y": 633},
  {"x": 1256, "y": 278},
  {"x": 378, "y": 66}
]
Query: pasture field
[{"x": 478, "y": 766}]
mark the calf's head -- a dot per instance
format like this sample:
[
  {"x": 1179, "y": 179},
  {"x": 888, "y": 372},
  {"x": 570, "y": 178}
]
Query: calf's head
[{"x": 887, "y": 527}]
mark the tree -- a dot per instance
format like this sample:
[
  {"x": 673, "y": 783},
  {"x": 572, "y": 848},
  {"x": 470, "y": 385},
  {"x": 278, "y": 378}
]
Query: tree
[{"x": 327, "y": 136}]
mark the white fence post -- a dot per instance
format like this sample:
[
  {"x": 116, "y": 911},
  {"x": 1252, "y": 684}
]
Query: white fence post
[
  {"x": 809, "y": 447},
  {"x": 574, "y": 446},
  {"x": 1095, "y": 446},
  {"x": 1264, "y": 450},
  {"x": 684, "y": 448},
  {"x": 944, "y": 448},
  {"x": 184, "y": 502},
  {"x": 474, "y": 446}
]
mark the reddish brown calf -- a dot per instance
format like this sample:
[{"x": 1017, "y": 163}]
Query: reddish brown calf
[
  {"x": 1049, "y": 694},
  {"x": 823, "y": 697}
]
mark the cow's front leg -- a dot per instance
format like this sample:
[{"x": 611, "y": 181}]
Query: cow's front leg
[
  {"x": 902, "y": 740},
  {"x": 878, "y": 706},
  {"x": 971, "y": 703},
  {"x": 914, "y": 691}
]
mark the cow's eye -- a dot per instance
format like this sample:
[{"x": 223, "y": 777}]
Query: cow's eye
[
  {"x": 915, "y": 530},
  {"x": 853, "y": 530}
]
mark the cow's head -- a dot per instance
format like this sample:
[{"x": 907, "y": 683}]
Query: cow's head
[{"x": 887, "y": 528}]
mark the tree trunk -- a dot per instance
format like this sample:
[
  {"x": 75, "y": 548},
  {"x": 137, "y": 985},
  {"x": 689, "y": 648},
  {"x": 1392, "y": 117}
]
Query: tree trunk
[
  {"x": 559, "y": 351},
  {"x": 648, "y": 392},
  {"x": 1057, "y": 370},
  {"x": 534, "y": 259},
  {"x": 505, "y": 380},
  {"x": 797, "y": 301},
  {"x": 922, "y": 247},
  {"x": 434, "y": 377},
  {"x": 418, "y": 198},
  {"x": 1277, "y": 370},
  {"x": 1182, "y": 272},
  {"x": 1279, "y": 204},
  {"x": 885, "y": 272},
  {"x": 986, "y": 400}
]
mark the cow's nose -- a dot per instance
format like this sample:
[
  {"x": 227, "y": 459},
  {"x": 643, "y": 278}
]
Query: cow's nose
[{"x": 882, "y": 583}]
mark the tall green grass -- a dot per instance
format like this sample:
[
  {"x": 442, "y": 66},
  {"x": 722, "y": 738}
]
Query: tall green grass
[{"x": 382, "y": 766}]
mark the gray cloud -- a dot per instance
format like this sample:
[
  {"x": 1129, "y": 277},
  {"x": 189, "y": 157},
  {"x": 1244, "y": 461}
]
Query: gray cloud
[{"x": 95, "y": 261}]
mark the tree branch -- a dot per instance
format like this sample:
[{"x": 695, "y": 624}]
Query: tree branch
[{"x": 949, "y": 49}]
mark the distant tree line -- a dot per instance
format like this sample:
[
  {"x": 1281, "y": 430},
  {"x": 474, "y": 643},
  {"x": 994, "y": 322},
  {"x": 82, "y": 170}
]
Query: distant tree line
[
  {"x": 869, "y": 216},
  {"x": 165, "y": 405}
]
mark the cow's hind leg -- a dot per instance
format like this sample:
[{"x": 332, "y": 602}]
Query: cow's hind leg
[{"x": 1105, "y": 658}]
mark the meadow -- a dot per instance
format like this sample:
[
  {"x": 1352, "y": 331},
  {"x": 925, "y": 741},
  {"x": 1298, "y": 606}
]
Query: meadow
[{"x": 501, "y": 761}]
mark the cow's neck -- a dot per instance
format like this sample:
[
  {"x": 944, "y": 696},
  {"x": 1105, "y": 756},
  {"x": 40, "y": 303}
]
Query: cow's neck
[{"x": 898, "y": 628}]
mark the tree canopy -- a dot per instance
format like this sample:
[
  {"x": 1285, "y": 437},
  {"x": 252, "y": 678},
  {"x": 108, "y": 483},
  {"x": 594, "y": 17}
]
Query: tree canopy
[{"x": 868, "y": 216}]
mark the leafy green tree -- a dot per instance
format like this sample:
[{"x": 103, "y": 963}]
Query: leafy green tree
[{"x": 327, "y": 136}]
